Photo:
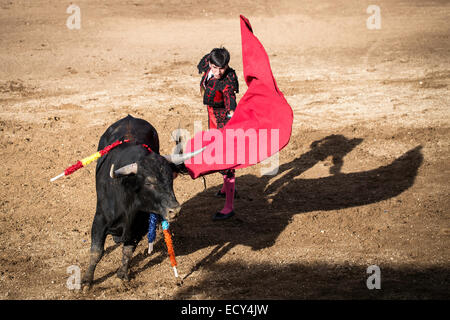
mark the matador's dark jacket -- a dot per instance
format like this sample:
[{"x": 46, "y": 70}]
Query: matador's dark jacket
[{"x": 220, "y": 94}]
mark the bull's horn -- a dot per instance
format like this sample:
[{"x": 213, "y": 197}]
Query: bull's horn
[
  {"x": 124, "y": 171},
  {"x": 177, "y": 159},
  {"x": 111, "y": 171}
]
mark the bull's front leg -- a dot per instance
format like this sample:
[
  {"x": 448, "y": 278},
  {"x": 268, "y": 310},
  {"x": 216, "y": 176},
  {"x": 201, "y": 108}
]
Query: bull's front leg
[
  {"x": 94, "y": 259},
  {"x": 127, "y": 254}
]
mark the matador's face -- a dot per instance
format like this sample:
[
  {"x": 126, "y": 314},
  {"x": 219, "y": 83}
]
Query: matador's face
[{"x": 217, "y": 71}]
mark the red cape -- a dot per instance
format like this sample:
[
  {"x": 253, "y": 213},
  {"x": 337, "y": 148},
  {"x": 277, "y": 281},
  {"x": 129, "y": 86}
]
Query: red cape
[{"x": 261, "y": 125}]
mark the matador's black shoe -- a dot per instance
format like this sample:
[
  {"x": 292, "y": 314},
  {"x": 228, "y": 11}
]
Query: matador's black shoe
[{"x": 220, "y": 216}]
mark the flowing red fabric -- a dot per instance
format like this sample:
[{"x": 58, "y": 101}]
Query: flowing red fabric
[{"x": 261, "y": 125}]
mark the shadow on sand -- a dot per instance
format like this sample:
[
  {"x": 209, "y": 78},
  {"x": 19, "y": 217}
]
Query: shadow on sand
[
  {"x": 265, "y": 208},
  {"x": 234, "y": 280}
]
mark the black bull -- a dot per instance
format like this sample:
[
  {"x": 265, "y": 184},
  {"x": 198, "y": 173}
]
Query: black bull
[{"x": 141, "y": 183}]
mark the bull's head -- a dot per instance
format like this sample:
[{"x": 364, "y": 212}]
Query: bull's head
[{"x": 153, "y": 181}]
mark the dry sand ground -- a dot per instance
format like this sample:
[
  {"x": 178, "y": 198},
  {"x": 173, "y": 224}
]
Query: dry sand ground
[{"x": 363, "y": 181}]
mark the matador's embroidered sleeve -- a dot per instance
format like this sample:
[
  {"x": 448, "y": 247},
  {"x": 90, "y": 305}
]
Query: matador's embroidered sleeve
[{"x": 230, "y": 90}]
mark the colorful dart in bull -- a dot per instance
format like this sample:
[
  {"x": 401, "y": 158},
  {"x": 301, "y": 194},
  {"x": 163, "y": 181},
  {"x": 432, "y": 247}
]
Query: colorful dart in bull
[
  {"x": 153, "y": 220},
  {"x": 84, "y": 162}
]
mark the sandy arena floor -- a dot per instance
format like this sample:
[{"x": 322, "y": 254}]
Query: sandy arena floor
[{"x": 364, "y": 180}]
